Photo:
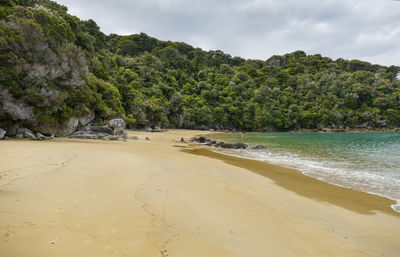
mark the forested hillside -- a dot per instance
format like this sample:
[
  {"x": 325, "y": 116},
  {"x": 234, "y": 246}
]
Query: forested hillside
[{"x": 56, "y": 70}]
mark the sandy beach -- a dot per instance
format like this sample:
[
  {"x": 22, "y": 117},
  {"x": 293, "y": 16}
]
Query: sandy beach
[{"x": 141, "y": 198}]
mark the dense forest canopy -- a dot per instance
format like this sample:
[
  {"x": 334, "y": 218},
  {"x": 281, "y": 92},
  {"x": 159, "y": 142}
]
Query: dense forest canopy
[{"x": 55, "y": 67}]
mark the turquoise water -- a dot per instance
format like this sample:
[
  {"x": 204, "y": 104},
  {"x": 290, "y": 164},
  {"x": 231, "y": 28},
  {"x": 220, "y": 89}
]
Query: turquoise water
[{"x": 368, "y": 161}]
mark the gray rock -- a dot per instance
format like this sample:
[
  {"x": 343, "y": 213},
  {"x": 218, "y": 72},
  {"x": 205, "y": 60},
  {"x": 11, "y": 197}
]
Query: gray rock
[
  {"x": 231, "y": 145},
  {"x": 99, "y": 129},
  {"x": 2, "y": 133},
  {"x": 26, "y": 133},
  {"x": 117, "y": 125},
  {"x": 15, "y": 108},
  {"x": 182, "y": 140},
  {"x": 83, "y": 121},
  {"x": 19, "y": 136},
  {"x": 125, "y": 135},
  {"x": 11, "y": 128},
  {"x": 113, "y": 137},
  {"x": 258, "y": 147},
  {"x": 201, "y": 139},
  {"x": 56, "y": 128},
  {"x": 40, "y": 136},
  {"x": 84, "y": 136}
]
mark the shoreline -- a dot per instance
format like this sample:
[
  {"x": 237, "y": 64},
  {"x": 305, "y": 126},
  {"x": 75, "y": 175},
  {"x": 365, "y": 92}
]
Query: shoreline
[
  {"x": 307, "y": 186},
  {"x": 73, "y": 197}
]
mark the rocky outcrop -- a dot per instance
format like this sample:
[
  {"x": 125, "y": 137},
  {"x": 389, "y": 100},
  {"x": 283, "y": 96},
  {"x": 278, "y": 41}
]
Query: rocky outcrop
[
  {"x": 56, "y": 128},
  {"x": 40, "y": 136},
  {"x": 26, "y": 133},
  {"x": 14, "y": 108},
  {"x": 11, "y": 128},
  {"x": 117, "y": 125},
  {"x": 209, "y": 142},
  {"x": 201, "y": 140},
  {"x": 113, "y": 131},
  {"x": 84, "y": 121},
  {"x": 232, "y": 145},
  {"x": 2, "y": 133},
  {"x": 98, "y": 130}
]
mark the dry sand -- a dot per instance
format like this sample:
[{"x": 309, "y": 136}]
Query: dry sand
[{"x": 160, "y": 198}]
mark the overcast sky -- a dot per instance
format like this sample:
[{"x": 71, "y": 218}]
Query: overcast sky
[{"x": 353, "y": 29}]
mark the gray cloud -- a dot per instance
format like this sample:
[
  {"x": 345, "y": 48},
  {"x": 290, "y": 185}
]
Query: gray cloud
[{"x": 353, "y": 29}]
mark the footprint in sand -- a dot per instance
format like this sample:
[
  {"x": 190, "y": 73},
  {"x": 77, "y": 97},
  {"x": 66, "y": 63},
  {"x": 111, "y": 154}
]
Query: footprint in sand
[
  {"x": 7, "y": 234},
  {"x": 29, "y": 224},
  {"x": 164, "y": 253}
]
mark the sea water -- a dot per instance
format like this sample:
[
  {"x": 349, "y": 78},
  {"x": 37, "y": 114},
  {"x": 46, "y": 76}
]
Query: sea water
[{"x": 365, "y": 161}]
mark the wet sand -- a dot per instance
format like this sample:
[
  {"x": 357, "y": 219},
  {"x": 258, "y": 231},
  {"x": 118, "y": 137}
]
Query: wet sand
[{"x": 164, "y": 198}]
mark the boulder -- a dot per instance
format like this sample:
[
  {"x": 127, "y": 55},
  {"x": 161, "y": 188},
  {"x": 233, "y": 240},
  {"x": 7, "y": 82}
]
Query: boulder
[
  {"x": 83, "y": 121},
  {"x": 201, "y": 139},
  {"x": 117, "y": 125},
  {"x": 231, "y": 145},
  {"x": 19, "y": 136},
  {"x": 40, "y": 136},
  {"x": 57, "y": 128},
  {"x": 258, "y": 147},
  {"x": 113, "y": 137},
  {"x": 83, "y": 135},
  {"x": 98, "y": 129},
  {"x": 2, "y": 133},
  {"x": 26, "y": 133}
]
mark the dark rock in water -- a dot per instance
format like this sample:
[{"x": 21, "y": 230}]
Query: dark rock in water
[
  {"x": 258, "y": 147},
  {"x": 213, "y": 142},
  {"x": 2, "y": 133},
  {"x": 219, "y": 144},
  {"x": 99, "y": 129},
  {"x": 26, "y": 133},
  {"x": 117, "y": 125},
  {"x": 201, "y": 139},
  {"x": 148, "y": 139},
  {"x": 231, "y": 145}
]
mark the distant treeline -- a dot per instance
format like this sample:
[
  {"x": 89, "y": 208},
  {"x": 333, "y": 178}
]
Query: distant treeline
[{"x": 54, "y": 66}]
